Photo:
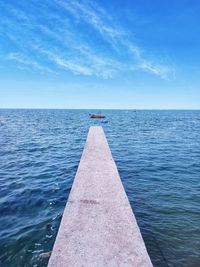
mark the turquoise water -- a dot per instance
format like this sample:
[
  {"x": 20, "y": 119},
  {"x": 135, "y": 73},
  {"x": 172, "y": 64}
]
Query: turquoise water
[{"x": 158, "y": 157}]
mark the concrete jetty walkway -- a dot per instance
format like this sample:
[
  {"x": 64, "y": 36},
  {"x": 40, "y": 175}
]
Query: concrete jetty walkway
[{"x": 98, "y": 227}]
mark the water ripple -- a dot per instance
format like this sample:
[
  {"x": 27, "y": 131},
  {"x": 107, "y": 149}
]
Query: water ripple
[{"x": 158, "y": 156}]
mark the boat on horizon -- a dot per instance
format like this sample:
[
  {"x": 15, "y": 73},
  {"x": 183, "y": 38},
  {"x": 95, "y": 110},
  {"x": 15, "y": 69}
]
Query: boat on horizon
[{"x": 97, "y": 116}]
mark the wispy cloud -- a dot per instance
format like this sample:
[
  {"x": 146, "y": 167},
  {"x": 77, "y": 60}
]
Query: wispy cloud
[
  {"x": 95, "y": 16},
  {"x": 24, "y": 60},
  {"x": 76, "y": 36},
  {"x": 87, "y": 64}
]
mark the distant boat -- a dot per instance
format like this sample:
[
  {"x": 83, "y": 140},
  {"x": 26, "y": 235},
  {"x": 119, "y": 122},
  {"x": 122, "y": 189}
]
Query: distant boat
[{"x": 95, "y": 116}]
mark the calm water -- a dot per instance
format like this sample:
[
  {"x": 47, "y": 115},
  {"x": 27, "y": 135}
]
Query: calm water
[{"x": 158, "y": 157}]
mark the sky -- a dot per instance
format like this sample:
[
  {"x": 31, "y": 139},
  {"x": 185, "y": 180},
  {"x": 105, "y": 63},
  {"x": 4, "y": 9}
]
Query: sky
[{"x": 117, "y": 54}]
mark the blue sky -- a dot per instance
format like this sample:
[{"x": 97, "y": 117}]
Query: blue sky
[{"x": 100, "y": 54}]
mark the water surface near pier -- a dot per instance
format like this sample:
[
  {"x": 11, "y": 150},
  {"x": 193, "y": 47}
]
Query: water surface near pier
[{"x": 158, "y": 157}]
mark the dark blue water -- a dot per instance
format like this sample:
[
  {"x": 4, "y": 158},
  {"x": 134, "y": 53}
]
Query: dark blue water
[{"x": 158, "y": 157}]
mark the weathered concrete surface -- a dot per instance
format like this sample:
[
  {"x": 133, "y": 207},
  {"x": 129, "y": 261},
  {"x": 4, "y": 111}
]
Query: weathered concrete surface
[{"x": 98, "y": 227}]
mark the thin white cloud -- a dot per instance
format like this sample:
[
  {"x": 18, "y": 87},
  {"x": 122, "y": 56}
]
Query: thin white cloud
[
  {"x": 69, "y": 65},
  {"x": 159, "y": 70},
  {"x": 24, "y": 60},
  {"x": 63, "y": 45},
  {"x": 89, "y": 64},
  {"x": 95, "y": 16}
]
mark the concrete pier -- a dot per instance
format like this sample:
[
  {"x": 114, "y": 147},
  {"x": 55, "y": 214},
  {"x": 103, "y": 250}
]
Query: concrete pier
[{"x": 98, "y": 227}]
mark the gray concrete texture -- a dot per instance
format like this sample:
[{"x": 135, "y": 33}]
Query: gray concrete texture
[{"x": 98, "y": 227}]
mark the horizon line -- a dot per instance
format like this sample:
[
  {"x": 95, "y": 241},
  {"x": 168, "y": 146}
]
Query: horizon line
[{"x": 137, "y": 109}]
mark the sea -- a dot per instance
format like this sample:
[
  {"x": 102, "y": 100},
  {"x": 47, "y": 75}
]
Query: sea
[{"x": 157, "y": 153}]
